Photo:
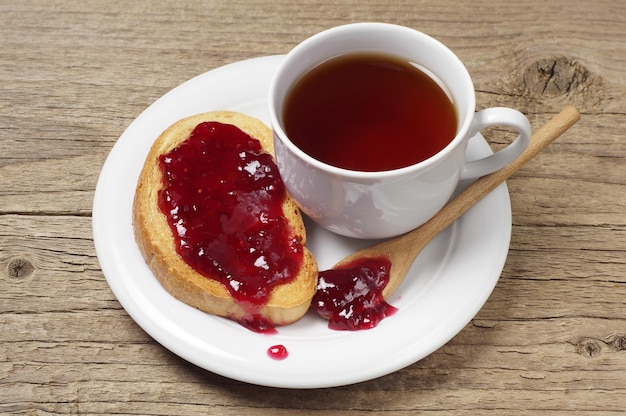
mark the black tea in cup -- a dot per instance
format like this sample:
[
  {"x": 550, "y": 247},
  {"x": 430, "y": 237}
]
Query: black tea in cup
[{"x": 369, "y": 112}]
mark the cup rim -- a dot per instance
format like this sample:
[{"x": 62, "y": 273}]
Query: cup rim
[{"x": 278, "y": 130}]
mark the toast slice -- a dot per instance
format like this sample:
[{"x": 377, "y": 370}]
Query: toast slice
[{"x": 285, "y": 302}]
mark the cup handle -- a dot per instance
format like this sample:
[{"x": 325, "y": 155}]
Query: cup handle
[{"x": 498, "y": 116}]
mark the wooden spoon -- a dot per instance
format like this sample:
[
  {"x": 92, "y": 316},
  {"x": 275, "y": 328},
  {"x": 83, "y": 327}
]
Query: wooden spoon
[{"x": 403, "y": 250}]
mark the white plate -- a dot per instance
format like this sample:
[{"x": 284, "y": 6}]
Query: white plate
[{"x": 448, "y": 284}]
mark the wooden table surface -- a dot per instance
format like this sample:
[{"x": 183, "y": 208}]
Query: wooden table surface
[{"x": 551, "y": 339}]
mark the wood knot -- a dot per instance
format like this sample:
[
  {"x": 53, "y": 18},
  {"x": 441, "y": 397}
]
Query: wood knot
[
  {"x": 589, "y": 347},
  {"x": 617, "y": 342},
  {"x": 20, "y": 268},
  {"x": 554, "y": 77},
  {"x": 558, "y": 81}
]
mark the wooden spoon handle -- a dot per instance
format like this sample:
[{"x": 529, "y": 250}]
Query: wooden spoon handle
[{"x": 484, "y": 185}]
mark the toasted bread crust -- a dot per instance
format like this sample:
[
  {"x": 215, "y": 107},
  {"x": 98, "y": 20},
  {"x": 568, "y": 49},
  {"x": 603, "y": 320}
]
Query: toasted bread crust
[{"x": 287, "y": 302}]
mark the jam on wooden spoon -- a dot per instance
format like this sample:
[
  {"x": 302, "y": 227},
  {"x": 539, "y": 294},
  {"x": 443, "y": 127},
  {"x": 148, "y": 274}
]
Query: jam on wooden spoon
[{"x": 352, "y": 295}]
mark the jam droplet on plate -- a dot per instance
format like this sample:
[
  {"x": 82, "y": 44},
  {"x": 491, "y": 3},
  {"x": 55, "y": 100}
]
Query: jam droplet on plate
[
  {"x": 222, "y": 196},
  {"x": 277, "y": 352},
  {"x": 351, "y": 297}
]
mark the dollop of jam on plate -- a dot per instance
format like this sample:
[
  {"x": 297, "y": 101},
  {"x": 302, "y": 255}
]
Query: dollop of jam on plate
[{"x": 351, "y": 296}]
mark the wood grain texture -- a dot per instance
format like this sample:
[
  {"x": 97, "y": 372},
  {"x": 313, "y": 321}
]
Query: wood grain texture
[{"x": 550, "y": 340}]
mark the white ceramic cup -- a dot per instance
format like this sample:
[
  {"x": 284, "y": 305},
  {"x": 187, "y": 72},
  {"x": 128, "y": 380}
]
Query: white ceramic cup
[{"x": 387, "y": 203}]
